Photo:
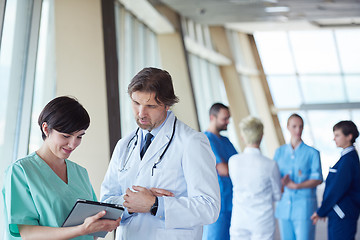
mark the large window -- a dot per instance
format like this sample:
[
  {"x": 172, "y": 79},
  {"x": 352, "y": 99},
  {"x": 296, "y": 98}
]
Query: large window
[
  {"x": 26, "y": 77},
  {"x": 207, "y": 83},
  {"x": 137, "y": 48},
  {"x": 208, "y": 87},
  {"x": 316, "y": 74}
]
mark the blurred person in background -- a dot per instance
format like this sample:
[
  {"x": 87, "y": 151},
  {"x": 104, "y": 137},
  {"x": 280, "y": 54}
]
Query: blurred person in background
[
  {"x": 256, "y": 185},
  {"x": 300, "y": 169},
  {"x": 341, "y": 201},
  {"x": 223, "y": 149}
]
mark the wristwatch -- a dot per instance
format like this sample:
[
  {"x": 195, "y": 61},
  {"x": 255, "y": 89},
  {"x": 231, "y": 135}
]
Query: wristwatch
[{"x": 154, "y": 207}]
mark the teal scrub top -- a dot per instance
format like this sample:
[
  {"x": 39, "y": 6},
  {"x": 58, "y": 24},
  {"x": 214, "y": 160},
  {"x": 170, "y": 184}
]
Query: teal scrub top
[
  {"x": 223, "y": 150},
  {"x": 34, "y": 195},
  {"x": 302, "y": 164}
]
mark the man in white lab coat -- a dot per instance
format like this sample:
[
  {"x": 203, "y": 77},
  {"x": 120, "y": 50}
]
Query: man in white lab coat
[{"x": 164, "y": 172}]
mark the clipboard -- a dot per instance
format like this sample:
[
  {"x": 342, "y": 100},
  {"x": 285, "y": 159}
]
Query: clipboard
[{"x": 86, "y": 208}]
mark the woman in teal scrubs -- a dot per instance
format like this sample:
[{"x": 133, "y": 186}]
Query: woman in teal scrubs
[
  {"x": 41, "y": 189},
  {"x": 300, "y": 169}
]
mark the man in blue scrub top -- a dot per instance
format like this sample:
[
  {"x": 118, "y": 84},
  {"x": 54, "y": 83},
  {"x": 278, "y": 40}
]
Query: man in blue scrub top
[
  {"x": 223, "y": 150},
  {"x": 300, "y": 169}
]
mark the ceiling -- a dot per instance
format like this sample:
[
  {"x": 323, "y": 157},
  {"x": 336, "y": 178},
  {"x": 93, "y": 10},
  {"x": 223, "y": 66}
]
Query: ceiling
[{"x": 249, "y": 15}]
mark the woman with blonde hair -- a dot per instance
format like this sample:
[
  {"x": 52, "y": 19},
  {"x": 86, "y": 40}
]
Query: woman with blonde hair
[{"x": 256, "y": 185}]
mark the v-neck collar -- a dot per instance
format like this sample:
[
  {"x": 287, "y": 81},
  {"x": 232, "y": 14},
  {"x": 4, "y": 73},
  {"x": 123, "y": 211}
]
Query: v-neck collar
[{"x": 51, "y": 172}]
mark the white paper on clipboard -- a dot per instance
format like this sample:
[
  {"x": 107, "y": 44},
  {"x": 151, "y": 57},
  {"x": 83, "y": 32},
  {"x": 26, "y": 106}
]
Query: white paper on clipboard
[{"x": 85, "y": 208}]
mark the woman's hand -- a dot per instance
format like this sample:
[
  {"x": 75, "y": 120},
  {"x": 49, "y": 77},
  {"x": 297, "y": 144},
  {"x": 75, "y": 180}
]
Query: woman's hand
[
  {"x": 91, "y": 224},
  {"x": 285, "y": 180},
  {"x": 95, "y": 224},
  {"x": 290, "y": 184},
  {"x": 315, "y": 218}
]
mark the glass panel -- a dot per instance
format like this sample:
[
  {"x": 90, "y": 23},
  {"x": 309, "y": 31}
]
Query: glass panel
[
  {"x": 197, "y": 86},
  {"x": 127, "y": 119},
  {"x": 322, "y": 123},
  {"x": 140, "y": 46},
  {"x": 284, "y": 91},
  {"x": 352, "y": 84},
  {"x": 218, "y": 89},
  {"x": 208, "y": 88},
  {"x": 9, "y": 92},
  {"x": 199, "y": 34},
  {"x": 238, "y": 51},
  {"x": 137, "y": 48},
  {"x": 271, "y": 44},
  {"x": 249, "y": 94},
  {"x": 322, "y": 89},
  {"x": 349, "y": 49},
  {"x": 152, "y": 49},
  {"x": 14, "y": 60},
  {"x": 314, "y": 51},
  {"x": 356, "y": 118},
  {"x": 320, "y": 80},
  {"x": 44, "y": 89},
  {"x": 2, "y": 12}
]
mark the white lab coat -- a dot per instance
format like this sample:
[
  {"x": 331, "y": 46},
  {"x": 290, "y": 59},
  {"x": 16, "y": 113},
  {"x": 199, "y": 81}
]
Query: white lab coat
[
  {"x": 256, "y": 184},
  {"x": 187, "y": 169}
]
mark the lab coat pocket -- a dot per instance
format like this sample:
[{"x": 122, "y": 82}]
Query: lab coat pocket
[
  {"x": 175, "y": 234},
  {"x": 165, "y": 178},
  {"x": 124, "y": 180}
]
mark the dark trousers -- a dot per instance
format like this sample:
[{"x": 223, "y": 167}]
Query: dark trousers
[{"x": 341, "y": 229}]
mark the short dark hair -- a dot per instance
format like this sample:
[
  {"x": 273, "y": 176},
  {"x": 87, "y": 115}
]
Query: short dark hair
[
  {"x": 347, "y": 127},
  {"x": 215, "y": 108},
  {"x": 64, "y": 114},
  {"x": 295, "y": 115},
  {"x": 154, "y": 80}
]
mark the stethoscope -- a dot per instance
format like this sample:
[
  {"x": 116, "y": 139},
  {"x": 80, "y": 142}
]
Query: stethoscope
[{"x": 134, "y": 140}]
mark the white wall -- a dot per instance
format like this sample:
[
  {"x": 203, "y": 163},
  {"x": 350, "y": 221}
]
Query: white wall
[{"x": 81, "y": 73}]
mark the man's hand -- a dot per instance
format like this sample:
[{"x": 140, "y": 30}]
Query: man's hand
[
  {"x": 159, "y": 192},
  {"x": 222, "y": 169},
  {"x": 140, "y": 201}
]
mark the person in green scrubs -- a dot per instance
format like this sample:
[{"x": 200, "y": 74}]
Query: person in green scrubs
[{"x": 41, "y": 189}]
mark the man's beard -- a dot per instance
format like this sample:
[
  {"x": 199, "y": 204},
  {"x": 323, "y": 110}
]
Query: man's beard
[{"x": 222, "y": 128}]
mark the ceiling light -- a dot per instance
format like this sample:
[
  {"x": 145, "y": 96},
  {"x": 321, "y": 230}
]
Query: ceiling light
[
  {"x": 271, "y": 1},
  {"x": 277, "y": 9}
]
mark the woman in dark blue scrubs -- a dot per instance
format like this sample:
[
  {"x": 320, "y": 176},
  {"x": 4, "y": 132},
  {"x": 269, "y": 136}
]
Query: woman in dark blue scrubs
[{"x": 341, "y": 201}]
